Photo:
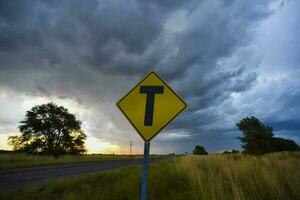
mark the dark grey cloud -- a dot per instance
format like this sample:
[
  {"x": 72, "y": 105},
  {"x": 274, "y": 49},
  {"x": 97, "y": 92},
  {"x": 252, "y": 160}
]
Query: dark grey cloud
[
  {"x": 93, "y": 51},
  {"x": 125, "y": 38},
  {"x": 286, "y": 125}
]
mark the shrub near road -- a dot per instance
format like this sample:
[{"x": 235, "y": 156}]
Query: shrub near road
[{"x": 272, "y": 176}]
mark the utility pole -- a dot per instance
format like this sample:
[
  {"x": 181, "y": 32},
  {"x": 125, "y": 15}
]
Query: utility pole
[{"x": 130, "y": 148}]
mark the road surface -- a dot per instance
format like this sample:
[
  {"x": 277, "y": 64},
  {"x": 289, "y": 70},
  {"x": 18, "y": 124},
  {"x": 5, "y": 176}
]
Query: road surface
[{"x": 17, "y": 178}]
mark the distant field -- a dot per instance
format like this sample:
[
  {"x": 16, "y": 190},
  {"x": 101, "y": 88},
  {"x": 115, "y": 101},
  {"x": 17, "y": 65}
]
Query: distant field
[
  {"x": 18, "y": 160},
  {"x": 218, "y": 177}
]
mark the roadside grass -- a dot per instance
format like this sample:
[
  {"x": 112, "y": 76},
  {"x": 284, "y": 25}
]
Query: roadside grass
[
  {"x": 20, "y": 160},
  {"x": 233, "y": 177}
]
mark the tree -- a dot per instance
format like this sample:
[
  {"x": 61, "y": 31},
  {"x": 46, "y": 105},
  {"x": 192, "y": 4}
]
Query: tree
[
  {"x": 280, "y": 144},
  {"x": 199, "y": 150},
  {"x": 258, "y": 138},
  {"x": 233, "y": 151},
  {"x": 49, "y": 129}
]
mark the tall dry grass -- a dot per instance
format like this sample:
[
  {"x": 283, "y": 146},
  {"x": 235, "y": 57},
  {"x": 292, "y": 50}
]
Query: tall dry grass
[
  {"x": 213, "y": 177},
  {"x": 275, "y": 176}
]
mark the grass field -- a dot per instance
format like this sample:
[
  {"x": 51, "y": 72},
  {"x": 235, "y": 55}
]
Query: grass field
[
  {"x": 18, "y": 160},
  {"x": 219, "y": 177}
]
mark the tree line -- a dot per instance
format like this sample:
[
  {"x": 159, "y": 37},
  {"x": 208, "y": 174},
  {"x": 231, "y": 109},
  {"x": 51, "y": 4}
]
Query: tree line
[
  {"x": 257, "y": 139},
  {"x": 53, "y": 130}
]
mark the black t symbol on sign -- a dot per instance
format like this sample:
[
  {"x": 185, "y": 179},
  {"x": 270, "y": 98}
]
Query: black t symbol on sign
[{"x": 150, "y": 91}]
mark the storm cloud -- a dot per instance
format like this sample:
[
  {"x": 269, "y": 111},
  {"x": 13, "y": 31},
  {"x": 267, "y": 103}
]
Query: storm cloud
[{"x": 213, "y": 53}]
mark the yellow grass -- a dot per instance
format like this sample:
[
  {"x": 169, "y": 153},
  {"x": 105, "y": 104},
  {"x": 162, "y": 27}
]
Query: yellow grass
[
  {"x": 214, "y": 177},
  {"x": 275, "y": 176}
]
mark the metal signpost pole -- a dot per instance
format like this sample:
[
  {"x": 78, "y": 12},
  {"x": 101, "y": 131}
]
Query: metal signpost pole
[{"x": 145, "y": 171}]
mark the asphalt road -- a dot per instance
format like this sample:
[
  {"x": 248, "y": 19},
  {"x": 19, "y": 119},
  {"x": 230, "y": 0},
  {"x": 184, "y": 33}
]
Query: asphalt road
[{"x": 17, "y": 178}]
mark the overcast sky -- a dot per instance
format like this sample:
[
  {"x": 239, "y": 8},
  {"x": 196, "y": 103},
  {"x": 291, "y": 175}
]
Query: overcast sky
[{"x": 226, "y": 59}]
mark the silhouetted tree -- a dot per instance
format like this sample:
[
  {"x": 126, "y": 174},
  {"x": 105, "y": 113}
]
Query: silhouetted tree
[
  {"x": 280, "y": 144},
  {"x": 258, "y": 138},
  {"x": 49, "y": 129},
  {"x": 199, "y": 150},
  {"x": 233, "y": 151}
]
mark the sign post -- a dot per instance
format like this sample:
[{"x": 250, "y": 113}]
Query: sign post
[
  {"x": 145, "y": 170},
  {"x": 149, "y": 107}
]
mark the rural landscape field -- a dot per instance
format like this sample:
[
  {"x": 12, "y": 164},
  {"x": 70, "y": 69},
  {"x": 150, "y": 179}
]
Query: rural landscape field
[
  {"x": 273, "y": 176},
  {"x": 149, "y": 100}
]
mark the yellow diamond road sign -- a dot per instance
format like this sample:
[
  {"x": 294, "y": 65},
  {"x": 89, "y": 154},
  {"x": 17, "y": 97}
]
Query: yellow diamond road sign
[{"x": 150, "y": 106}]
